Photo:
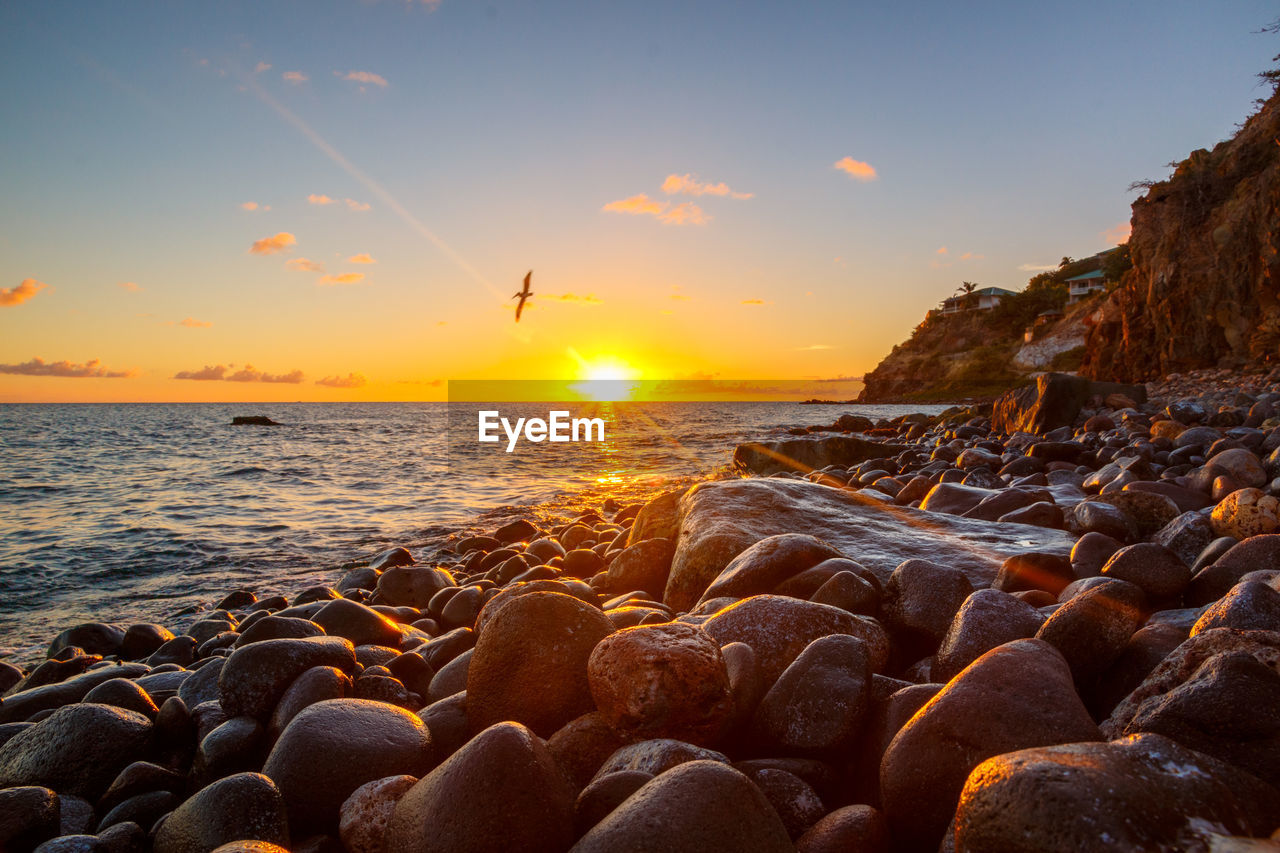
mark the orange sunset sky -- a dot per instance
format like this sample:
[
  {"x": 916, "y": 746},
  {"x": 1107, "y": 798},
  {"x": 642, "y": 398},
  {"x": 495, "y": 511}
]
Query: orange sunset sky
[{"x": 335, "y": 200}]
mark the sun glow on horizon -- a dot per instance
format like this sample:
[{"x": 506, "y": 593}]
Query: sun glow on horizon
[{"x": 605, "y": 378}]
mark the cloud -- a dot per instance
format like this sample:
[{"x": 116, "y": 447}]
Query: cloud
[
  {"x": 249, "y": 205},
  {"x": 971, "y": 256},
  {"x": 272, "y": 245},
  {"x": 636, "y": 204},
  {"x": 248, "y": 373},
  {"x": 304, "y": 265},
  {"x": 689, "y": 185},
  {"x": 129, "y": 286},
  {"x": 684, "y": 213},
  {"x": 295, "y": 76},
  {"x": 366, "y": 77},
  {"x": 351, "y": 380},
  {"x": 261, "y": 66},
  {"x": 362, "y": 258},
  {"x": 358, "y": 206},
  {"x": 20, "y": 294},
  {"x": 814, "y": 347},
  {"x": 754, "y": 302},
  {"x": 857, "y": 169},
  {"x": 91, "y": 369},
  {"x": 942, "y": 250},
  {"x": 193, "y": 323},
  {"x": 320, "y": 199},
  {"x": 344, "y": 278},
  {"x": 1118, "y": 233},
  {"x": 1037, "y": 267},
  {"x": 588, "y": 299},
  {"x": 677, "y": 296}
]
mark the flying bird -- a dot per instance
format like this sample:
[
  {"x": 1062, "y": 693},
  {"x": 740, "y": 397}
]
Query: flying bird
[{"x": 523, "y": 295}]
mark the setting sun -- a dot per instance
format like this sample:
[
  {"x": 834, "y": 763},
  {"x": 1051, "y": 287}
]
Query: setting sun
[{"x": 606, "y": 378}]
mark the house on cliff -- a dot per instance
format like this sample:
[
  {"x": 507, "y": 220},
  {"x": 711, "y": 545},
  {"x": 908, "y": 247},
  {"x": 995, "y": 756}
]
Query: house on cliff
[
  {"x": 980, "y": 300},
  {"x": 1085, "y": 285}
]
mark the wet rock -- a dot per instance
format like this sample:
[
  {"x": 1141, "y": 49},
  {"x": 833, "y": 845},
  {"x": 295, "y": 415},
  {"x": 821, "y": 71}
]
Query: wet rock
[
  {"x": 778, "y": 629},
  {"x": 1053, "y": 402},
  {"x": 954, "y": 498},
  {"x": 233, "y": 747},
  {"x": 1049, "y": 572},
  {"x": 1245, "y": 513},
  {"x": 817, "y": 705},
  {"x": 360, "y": 624},
  {"x": 1238, "y": 464},
  {"x": 1144, "y": 651},
  {"x": 656, "y": 757},
  {"x": 180, "y": 650},
  {"x": 520, "y": 530},
  {"x": 1090, "y": 554},
  {"x": 766, "y": 564},
  {"x": 661, "y": 681},
  {"x": 391, "y": 558},
  {"x": 95, "y": 638},
  {"x": 255, "y": 676},
  {"x": 851, "y": 828},
  {"x": 1091, "y": 629},
  {"x": 240, "y": 807},
  {"x": 333, "y": 747},
  {"x": 317, "y": 684},
  {"x": 447, "y": 721},
  {"x": 644, "y": 565},
  {"x": 797, "y": 805},
  {"x": 1154, "y": 569},
  {"x": 988, "y": 618},
  {"x": 1186, "y": 536},
  {"x": 1186, "y": 500},
  {"x": 411, "y": 586},
  {"x": 140, "y": 777},
  {"x": 123, "y": 693},
  {"x": 1250, "y": 605},
  {"x": 658, "y": 519},
  {"x": 809, "y": 454},
  {"x": 1013, "y": 697},
  {"x": 701, "y": 805},
  {"x": 1087, "y": 796},
  {"x": 1257, "y": 553},
  {"x": 1149, "y": 512},
  {"x": 363, "y": 820},
  {"x": 77, "y": 750},
  {"x": 604, "y": 795},
  {"x": 143, "y": 809},
  {"x": 1095, "y": 516},
  {"x": 202, "y": 685},
  {"x": 530, "y": 662},
  {"x": 143, "y": 639},
  {"x": 25, "y": 703},
  {"x": 451, "y": 679},
  {"x": 502, "y": 791},
  {"x": 920, "y": 600},
  {"x": 28, "y": 815},
  {"x": 849, "y": 591},
  {"x": 581, "y": 563},
  {"x": 1040, "y": 514},
  {"x": 721, "y": 519},
  {"x": 581, "y": 746}
]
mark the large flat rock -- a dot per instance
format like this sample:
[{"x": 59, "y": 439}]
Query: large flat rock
[{"x": 719, "y": 520}]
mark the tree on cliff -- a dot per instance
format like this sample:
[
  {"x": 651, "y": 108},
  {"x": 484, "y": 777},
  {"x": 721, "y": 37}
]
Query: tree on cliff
[{"x": 968, "y": 288}]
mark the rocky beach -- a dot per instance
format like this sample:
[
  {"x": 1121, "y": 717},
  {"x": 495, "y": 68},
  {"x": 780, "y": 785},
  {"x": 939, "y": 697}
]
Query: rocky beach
[{"x": 1050, "y": 622}]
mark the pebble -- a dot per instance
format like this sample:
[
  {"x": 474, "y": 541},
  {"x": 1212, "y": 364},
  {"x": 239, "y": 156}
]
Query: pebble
[{"x": 240, "y": 807}]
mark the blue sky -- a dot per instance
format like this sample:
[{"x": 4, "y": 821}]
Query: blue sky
[{"x": 489, "y": 138}]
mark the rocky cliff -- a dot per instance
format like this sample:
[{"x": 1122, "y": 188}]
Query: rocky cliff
[{"x": 1203, "y": 288}]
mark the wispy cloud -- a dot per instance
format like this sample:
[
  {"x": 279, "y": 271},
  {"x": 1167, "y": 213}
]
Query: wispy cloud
[
  {"x": 193, "y": 323},
  {"x": 304, "y": 265},
  {"x": 351, "y": 380},
  {"x": 755, "y": 302},
  {"x": 677, "y": 296},
  {"x": 357, "y": 206},
  {"x": 366, "y": 77},
  {"x": 687, "y": 184},
  {"x": 684, "y": 213},
  {"x": 344, "y": 278},
  {"x": 272, "y": 245},
  {"x": 28, "y": 288},
  {"x": 812, "y": 347},
  {"x": 248, "y": 373},
  {"x": 588, "y": 299},
  {"x": 942, "y": 250},
  {"x": 362, "y": 258},
  {"x": 1118, "y": 233},
  {"x": 636, "y": 204},
  {"x": 320, "y": 199},
  {"x": 261, "y": 66},
  {"x": 856, "y": 169},
  {"x": 295, "y": 76},
  {"x": 1037, "y": 267},
  {"x": 129, "y": 286},
  {"x": 91, "y": 369},
  {"x": 249, "y": 205},
  {"x": 971, "y": 256}
]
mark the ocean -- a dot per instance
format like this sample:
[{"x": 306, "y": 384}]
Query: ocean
[{"x": 133, "y": 512}]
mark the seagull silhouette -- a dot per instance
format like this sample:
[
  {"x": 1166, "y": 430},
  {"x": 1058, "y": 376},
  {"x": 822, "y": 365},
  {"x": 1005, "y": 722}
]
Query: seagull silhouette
[{"x": 523, "y": 295}]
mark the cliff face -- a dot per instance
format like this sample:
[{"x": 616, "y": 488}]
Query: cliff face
[{"x": 1203, "y": 288}]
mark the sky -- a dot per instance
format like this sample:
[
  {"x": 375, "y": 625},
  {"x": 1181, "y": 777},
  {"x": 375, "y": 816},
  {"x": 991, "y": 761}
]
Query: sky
[{"x": 336, "y": 200}]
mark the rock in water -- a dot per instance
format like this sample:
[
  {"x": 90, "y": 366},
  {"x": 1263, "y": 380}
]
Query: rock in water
[
  {"x": 242, "y": 807},
  {"x": 1139, "y": 793},
  {"x": 501, "y": 791},
  {"x": 701, "y": 805},
  {"x": 719, "y": 520},
  {"x": 335, "y": 746},
  {"x": 661, "y": 681},
  {"x": 252, "y": 420},
  {"x": 77, "y": 750},
  {"x": 809, "y": 454},
  {"x": 530, "y": 662},
  {"x": 1016, "y": 696}
]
